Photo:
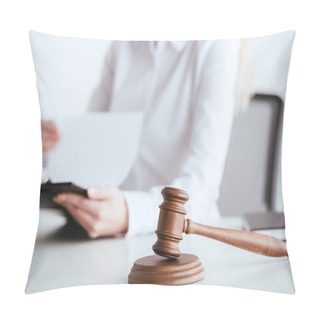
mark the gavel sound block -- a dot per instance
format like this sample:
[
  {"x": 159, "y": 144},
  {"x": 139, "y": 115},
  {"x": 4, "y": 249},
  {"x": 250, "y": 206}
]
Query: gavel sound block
[{"x": 171, "y": 267}]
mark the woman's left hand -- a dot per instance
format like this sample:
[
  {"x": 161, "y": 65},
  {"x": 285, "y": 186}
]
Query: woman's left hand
[{"x": 103, "y": 213}]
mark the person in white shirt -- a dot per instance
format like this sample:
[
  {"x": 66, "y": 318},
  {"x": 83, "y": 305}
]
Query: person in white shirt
[{"x": 187, "y": 93}]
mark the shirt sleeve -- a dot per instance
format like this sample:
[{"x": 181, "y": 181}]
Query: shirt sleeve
[{"x": 202, "y": 171}]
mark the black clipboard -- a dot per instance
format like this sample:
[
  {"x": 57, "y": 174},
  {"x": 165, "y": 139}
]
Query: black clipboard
[{"x": 49, "y": 190}]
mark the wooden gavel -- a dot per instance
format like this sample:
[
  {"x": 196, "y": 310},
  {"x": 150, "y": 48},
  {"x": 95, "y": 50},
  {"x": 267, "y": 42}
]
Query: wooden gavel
[{"x": 172, "y": 224}]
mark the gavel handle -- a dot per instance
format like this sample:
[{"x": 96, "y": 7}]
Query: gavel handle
[{"x": 251, "y": 241}]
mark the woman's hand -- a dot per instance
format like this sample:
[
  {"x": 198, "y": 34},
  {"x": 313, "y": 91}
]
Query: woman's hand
[
  {"x": 103, "y": 213},
  {"x": 50, "y": 136}
]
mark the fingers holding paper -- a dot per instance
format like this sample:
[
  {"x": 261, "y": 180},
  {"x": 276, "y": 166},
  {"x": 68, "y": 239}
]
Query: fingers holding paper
[{"x": 103, "y": 213}]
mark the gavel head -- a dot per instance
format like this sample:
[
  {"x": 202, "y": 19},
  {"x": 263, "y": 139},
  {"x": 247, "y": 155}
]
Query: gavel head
[{"x": 171, "y": 223}]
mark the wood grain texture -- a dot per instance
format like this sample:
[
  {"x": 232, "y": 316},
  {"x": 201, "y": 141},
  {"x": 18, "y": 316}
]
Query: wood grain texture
[
  {"x": 163, "y": 271},
  {"x": 250, "y": 241},
  {"x": 172, "y": 224}
]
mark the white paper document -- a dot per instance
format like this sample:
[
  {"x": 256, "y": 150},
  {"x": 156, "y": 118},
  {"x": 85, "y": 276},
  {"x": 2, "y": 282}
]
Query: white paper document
[{"x": 97, "y": 148}]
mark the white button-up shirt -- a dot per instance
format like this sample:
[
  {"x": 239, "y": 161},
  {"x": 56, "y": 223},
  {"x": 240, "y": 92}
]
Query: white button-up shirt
[{"x": 187, "y": 92}]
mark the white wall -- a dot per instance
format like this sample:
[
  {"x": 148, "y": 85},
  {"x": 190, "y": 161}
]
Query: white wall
[{"x": 271, "y": 59}]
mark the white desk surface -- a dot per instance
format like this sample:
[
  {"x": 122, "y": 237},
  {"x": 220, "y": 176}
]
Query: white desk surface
[{"x": 62, "y": 259}]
